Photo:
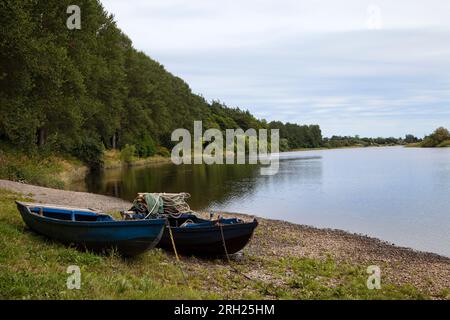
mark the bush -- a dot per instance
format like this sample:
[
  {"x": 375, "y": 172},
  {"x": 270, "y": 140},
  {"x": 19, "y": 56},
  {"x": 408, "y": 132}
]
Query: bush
[
  {"x": 437, "y": 139},
  {"x": 284, "y": 145},
  {"x": 90, "y": 151},
  {"x": 127, "y": 153},
  {"x": 162, "y": 151},
  {"x": 444, "y": 144},
  {"x": 145, "y": 147},
  {"x": 34, "y": 170}
]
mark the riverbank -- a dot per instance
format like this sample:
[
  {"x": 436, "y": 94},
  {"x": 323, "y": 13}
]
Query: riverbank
[
  {"x": 50, "y": 171},
  {"x": 284, "y": 260},
  {"x": 345, "y": 147},
  {"x": 440, "y": 138},
  {"x": 59, "y": 171},
  {"x": 445, "y": 144},
  {"x": 112, "y": 160},
  {"x": 62, "y": 171}
]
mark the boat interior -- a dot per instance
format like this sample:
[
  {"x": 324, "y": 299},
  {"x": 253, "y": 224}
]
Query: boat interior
[
  {"x": 192, "y": 221},
  {"x": 70, "y": 215}
]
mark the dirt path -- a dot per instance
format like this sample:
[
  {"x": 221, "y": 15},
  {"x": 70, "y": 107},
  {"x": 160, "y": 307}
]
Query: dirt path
[
  {"x": 427, "y": 271},
  {"x": 69, "y": 198}
]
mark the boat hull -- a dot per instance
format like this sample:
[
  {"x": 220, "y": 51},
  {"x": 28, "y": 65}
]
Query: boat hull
[
  {"x": 207, "y": 241},
  {"x": 128, "y": 237}
]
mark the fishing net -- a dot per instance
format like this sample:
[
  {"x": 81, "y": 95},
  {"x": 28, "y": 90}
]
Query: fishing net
[{"x": 153, "y": 204}]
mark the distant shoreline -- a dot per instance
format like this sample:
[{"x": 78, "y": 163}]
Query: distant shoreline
[
  {"x": 162, "y": 160},
  {"x": 347, "y": 147}
]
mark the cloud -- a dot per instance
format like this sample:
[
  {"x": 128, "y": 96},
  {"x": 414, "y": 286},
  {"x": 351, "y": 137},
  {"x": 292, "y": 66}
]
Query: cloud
[{"x": 306, "y": 61}]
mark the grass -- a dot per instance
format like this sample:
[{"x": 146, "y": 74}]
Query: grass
[
  {"x": 341, "y": 147},
  {"x": 33, "y": 267},
  {"x": 325, "y": 279},
  {"x": 443, "y": 144},
  {"x": 56, "y": 171},
  {"x": 42, "y": 170},
  {"x": 325, "y": 148},
  {"x": 414, "y": 145},
  {"x": 112, "y": 160},
  {"x": 32, "y": 170}
]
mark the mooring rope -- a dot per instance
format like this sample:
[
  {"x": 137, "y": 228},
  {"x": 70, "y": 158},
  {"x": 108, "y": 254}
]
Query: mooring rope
[
  {"x": 223, "y": 242},
  {"x": 229, "y": 260},
  {"x": 228, "y": 256},
  {"x": 173, "y": 242},
  {"x": 176, "y": 254}
]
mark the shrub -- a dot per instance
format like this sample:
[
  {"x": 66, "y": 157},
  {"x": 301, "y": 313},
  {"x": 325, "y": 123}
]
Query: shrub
[
  {"x": 34, "y": 170},
  {"x": 145, "y": 147},
  {"x": 162, "y": 151},
  {"x": 127, "y": 153},
  {"x": 444, "y": 144},
  {"x": 284, "y": 144},
  {"x": 90, "y": 151},
  {"x": 437, "y": 138}
]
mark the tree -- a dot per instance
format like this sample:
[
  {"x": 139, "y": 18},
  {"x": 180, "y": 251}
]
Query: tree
[
  {"x": 439, "y": 136},
  {"x": 409, "y": 138}
]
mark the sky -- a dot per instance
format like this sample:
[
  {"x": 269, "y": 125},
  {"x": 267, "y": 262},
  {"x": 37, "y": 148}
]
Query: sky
[{"x": 372, "y": 68}]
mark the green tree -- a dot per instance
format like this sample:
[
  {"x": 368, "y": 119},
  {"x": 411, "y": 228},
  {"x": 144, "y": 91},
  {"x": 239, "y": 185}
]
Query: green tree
[{"x": 438, "y": 137}]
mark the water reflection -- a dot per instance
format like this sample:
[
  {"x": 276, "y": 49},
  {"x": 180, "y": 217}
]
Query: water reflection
[
  {"x": 211, "y": 186},
  {"x": 206, "y": 183}
]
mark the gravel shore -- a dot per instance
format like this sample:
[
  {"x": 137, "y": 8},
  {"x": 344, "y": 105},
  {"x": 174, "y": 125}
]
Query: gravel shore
[
  {"x": 69, "y": 198},
  {"x": 426, "y": 271}
]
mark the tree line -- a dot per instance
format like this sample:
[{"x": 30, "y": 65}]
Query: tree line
[
  {"x": 79, "y": 92},
  {"x": 352, "y": 141}
]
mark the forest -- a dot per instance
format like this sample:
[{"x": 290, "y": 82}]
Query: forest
[
  {"x": 83, "y": 91},
  {"x": 79, "y": 92}
]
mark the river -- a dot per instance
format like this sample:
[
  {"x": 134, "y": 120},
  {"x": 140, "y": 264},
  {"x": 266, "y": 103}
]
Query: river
[{"x": 401, "y": 195}]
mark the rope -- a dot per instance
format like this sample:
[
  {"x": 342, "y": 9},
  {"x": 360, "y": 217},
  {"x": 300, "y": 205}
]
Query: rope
[
  {"x": 174, "y": 204},
  {"x": 176, "y": 254},
  {"x": 228, "y": 256},
  {"x": 223, "y": 242},
  {"x": 173, "y": 242}
]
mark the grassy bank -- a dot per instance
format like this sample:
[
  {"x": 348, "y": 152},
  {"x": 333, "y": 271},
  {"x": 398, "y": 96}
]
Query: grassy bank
[
  {"x": 345, "y": 147},
  {"x": 443, "y": 144},
  {"x": 58, "y": 171},
  {"x": 440, "y": 138},
  {"x": 42, "y": 170},
  {"x": 114, "y": 159},
  {"x": 34, "y": 267},
  {"x": 325, "y": 148}
]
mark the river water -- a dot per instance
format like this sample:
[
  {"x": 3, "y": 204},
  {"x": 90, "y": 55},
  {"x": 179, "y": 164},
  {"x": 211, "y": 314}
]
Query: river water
[{"x": 401, "y": 195}]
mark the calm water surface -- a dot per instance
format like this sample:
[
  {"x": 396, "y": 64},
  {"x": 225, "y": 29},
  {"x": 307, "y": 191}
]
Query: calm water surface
[{"x": 401, "y": 195}]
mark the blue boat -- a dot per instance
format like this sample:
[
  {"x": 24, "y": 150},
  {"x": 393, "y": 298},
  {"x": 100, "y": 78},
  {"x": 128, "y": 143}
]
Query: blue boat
[
  {"x": 90, "y": 229},
  {"x": 195, "y": 236},
  {"x": 186, "y": 232}
]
